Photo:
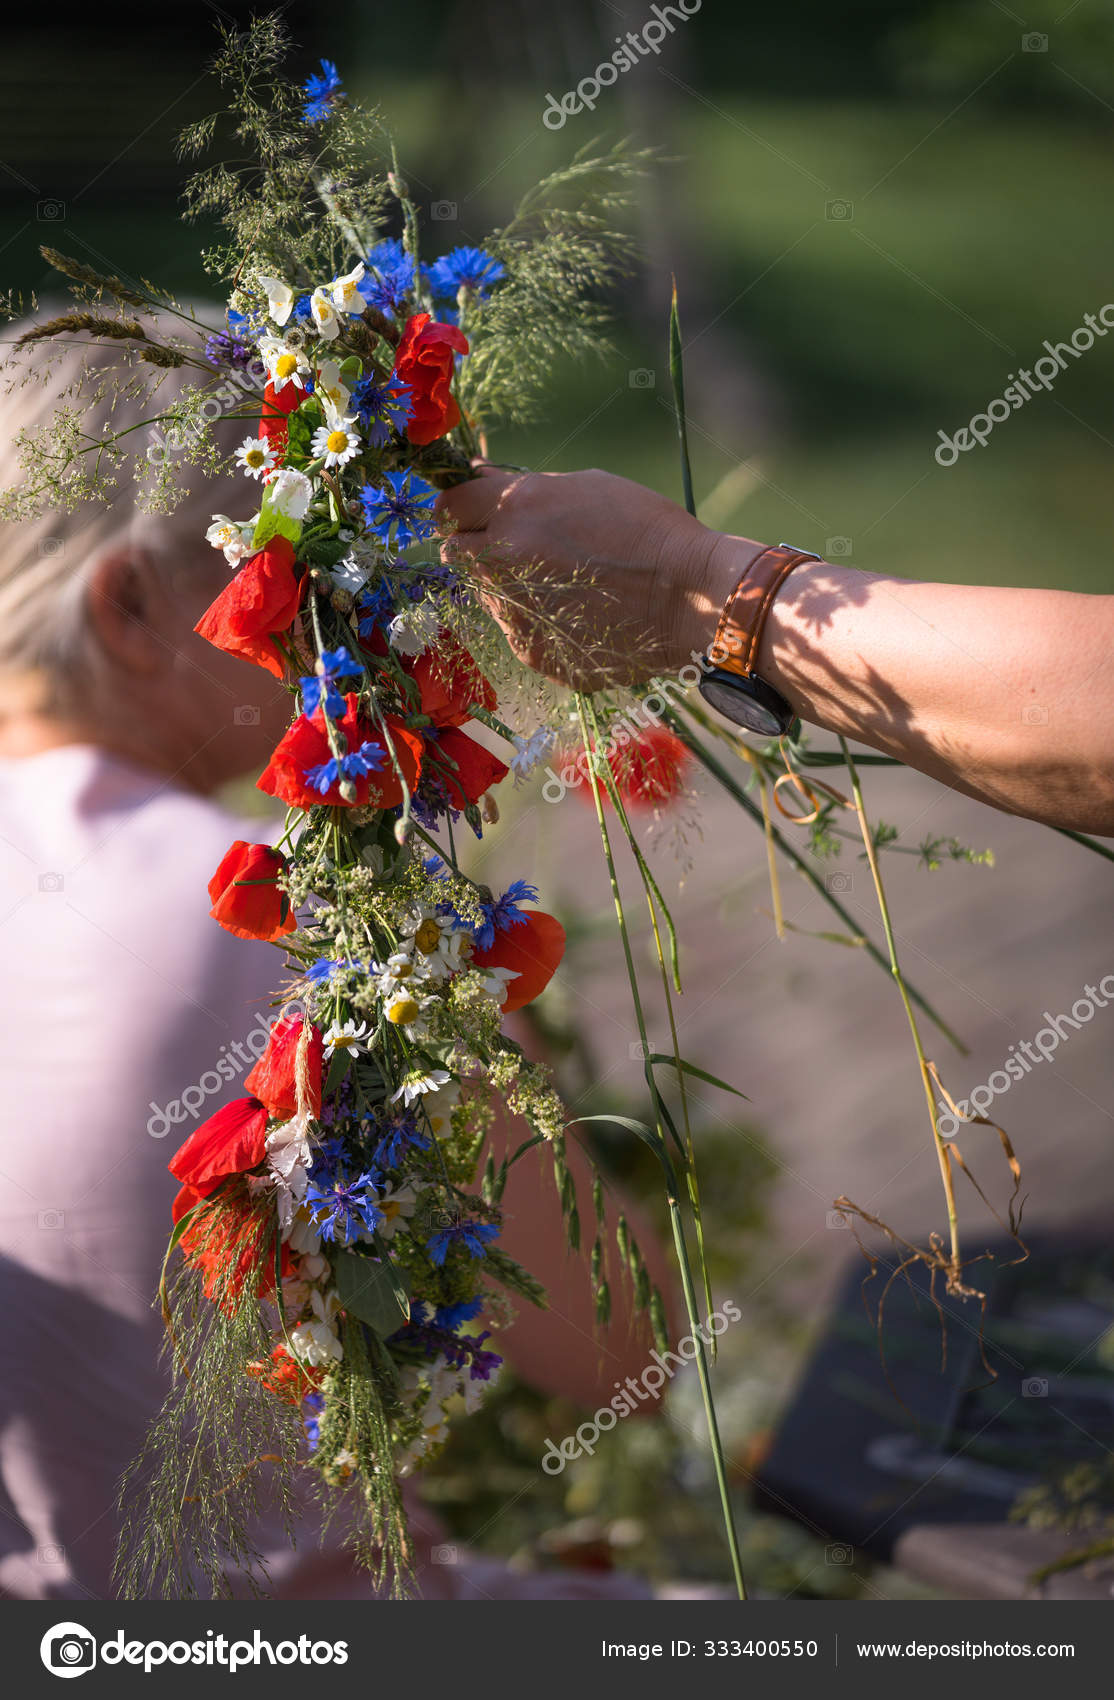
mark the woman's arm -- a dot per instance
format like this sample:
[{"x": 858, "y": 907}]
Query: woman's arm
[{"x": 1007, "y": 695}]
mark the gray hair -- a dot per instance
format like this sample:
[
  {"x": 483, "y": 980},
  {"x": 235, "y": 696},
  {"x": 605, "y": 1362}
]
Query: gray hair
[{"x": 47, "y": 656}]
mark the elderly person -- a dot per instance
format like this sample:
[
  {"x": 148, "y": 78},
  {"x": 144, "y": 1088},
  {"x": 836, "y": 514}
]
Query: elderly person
[
  {"x": 1006, "y": 695},
  {"x": 127, "y": 1015}
]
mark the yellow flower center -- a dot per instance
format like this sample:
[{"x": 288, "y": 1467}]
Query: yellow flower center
[
  {"x": 390, "y": 1208},
  {"x": 402, "y": 1012},
  {"x": 336, "y": 442},
  {"x": 255, "y": 457},
  {"x": 285, "y": 365},
  {"x": 343, "y": 1041},
  {"x": 428, "y": 937}
]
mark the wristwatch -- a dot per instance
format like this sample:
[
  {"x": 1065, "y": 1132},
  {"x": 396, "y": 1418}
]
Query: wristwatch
[{"x": 730, "y": 682}]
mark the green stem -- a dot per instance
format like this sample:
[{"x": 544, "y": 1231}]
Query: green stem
[
  {"x": 734, "y": 789},
  {"x": 895, "y": 969},
  {"x": 674, "y": 1212}
]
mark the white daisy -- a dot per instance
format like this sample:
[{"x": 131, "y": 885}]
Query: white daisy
[
  {"x": 256, "y": 456},
  {"x": 530, "y": 751},
  {"x": 330, "y": 392},
  {"x": 347, "y": 1037},
  {"x": 285, "y": 363},
  {"x": 403, "y": 1009},
  {"x": 315, "y": 1342},
  {"x": 336, "y": 441},
  {"x": 348, "y": 575},
  {"x": 496, "y": 980},
  {"x": 290, "y": 494},
  {"x": 437, "y": 939},
  {"x": 346, "y": 296},
  {"x": 280, "y": 298},
  {"x": 417, "y": 1085},
  {"x": 397, "y": 1203},
  {"x": 438, "y": 1108},
  {"x": 325, "y": 315}
]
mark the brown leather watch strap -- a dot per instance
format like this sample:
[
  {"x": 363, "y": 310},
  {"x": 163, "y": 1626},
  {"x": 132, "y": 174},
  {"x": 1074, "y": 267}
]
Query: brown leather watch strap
[{"x": 739, "y": 633}]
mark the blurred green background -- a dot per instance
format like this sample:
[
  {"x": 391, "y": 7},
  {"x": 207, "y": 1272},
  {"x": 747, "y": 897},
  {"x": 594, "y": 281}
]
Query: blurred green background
[{"x": 875, "y": 215}]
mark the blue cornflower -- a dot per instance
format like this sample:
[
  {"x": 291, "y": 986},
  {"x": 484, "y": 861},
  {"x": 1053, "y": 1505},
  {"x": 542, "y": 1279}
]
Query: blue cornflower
[
  {"x": 222, "y": 350},
  {"x": 403, "y": 506},
  {"x": 381, "y": 405},
  {"x": 322, "y": 91},
  {"x": 388, "y": 280},
  {"x": 399, "y": 1137},
  {"x": 450, "y": 1317},
  {"x": 340, "y": 1208},
  {"x": 504, "y": 913},
  {"x": 313, "y": 1405},
  {"x": 376, "y": 608},
  {"x": 301, "y": 312},
  {"x": 326, "y": 1156},
  {"x": 475, "y": 1237},
  {"x": 465, "y": 268},
  {"x": 357, "y": 764},
  {"x": 320, "y": 687}
]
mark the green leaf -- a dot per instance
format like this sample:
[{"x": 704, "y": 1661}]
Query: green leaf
[
  {"x": 649, "y": 1135},
  {"x": 371, "y": 1290},
  {"x": 271, "y": 524},
  {"x": 691, "y": 1068},
  {"x": 338, "y": 1068}
]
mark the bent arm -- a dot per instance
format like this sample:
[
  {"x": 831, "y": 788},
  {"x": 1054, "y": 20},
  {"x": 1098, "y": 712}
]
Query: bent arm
[{"x": 1007, "y": 695}]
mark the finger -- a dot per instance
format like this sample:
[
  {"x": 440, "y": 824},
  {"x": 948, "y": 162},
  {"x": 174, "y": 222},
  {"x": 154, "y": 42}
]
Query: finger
[{"x": 469, "y": 506}]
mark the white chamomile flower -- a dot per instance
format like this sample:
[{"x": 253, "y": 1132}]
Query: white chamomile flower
[
  {"x": 416, "y": 1086},
  {"x": 231, "y": 536},
  {"x": 346, "y": 1037},
  {"x": 315, "y": 1342},
  {"x": 290, "y": 494},
  {"x": 345, "y": 293},
  {"x": 438, "y": 1109},
  {"x": 325, "y": 315},
  {"x": 280, "y": 298},
  {"x": 345, "y": 1461},
  {"x": 406, "y": 1010},
  {"x": 333, "y": 395},
  {"x": 399, "y": 971},
  {"x": 496, "y": 980},
  {"x": 336, "y": 441},
  {"x": 438, "y": 940},
  {"x": 285, "y": 363},
  {"x": 398, "y": 1204},
  {"x": 301, "y": 1234},
  {"x": 256, "y": 456},
  {"x": 348, "y": 575},
  {"x": 411, "y": 633}
]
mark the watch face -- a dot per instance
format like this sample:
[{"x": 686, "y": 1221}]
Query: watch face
[{"x": 747, "y": 701}]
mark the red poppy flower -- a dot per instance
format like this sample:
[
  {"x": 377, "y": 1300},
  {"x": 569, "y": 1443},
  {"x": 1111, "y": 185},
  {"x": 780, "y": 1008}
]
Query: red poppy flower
[
  {"x": 272, "y": 1079},
  {"x": 277, "y": 404},
  {"x": 282, "y": 1375},
  {"x": 305, "y": 746},
  {"x": 474, "y": 770},
  {"x": 229, "y": 1246},
  {"x": 450, "y": 682},
  {"x": 246, "y": 897},
  {"x": 651, "y": 769},
  {"x": 262, "y": 599},
  {"x": 533, "y": 949},
  {"x": 233, "y": 1140},
  {"x": 425, "y": 361}
]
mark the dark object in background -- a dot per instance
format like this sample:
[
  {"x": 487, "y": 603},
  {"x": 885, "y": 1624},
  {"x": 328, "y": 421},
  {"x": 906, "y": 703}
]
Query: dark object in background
[{"x": 901, "y": 1443}]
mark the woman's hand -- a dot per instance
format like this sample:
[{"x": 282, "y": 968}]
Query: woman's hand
[{"x": 595, "y": 579}]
